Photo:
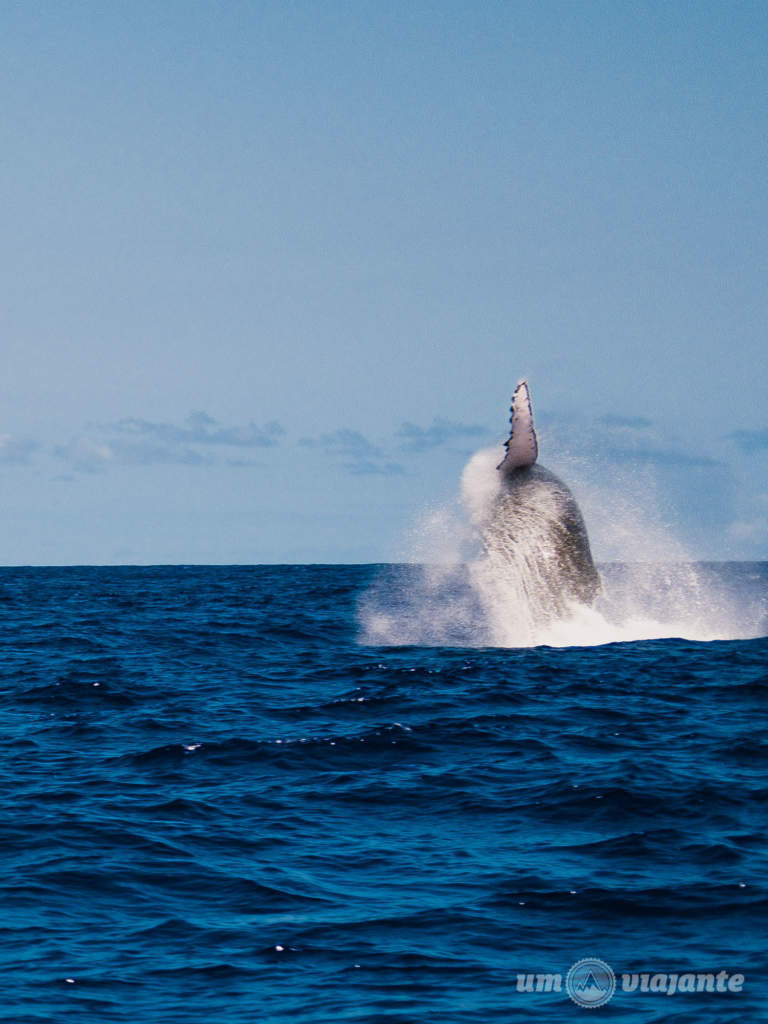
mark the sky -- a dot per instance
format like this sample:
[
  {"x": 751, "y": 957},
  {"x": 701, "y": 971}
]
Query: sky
[{"x": 270, "y": 271}]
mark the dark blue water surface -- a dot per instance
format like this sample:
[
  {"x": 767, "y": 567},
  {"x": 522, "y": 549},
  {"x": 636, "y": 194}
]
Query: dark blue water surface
[{"x": 217, "y": 804}]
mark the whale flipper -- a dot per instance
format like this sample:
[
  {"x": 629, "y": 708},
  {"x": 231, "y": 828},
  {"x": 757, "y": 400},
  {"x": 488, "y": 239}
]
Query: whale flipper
[
  {"x": 535, "y": 533},
  {"x": 522, "y": 446}
]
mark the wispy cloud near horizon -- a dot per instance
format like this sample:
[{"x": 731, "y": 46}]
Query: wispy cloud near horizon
[
  {"x": 202, "y": 429},
  {"x": 750, "y": 441},
  {"x": 136, "y": 442},
  {"x": 16, "y": 450},
  {"x": 626, "y": 422},
  {"x": 414, "y": 439},
  {"x": 626, "y": 440},
  {"x": 200, "y": 440},
  {"x": 360, "y": 456},
  {"x": 660, "y": 456},
  {"x": 343, "y": 441},
  {"x": 93, "y": 453}
]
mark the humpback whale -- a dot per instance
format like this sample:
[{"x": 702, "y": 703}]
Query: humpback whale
[{"x": 534, "y": 531}]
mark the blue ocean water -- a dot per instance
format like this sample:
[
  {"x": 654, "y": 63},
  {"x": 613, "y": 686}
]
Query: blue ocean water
[{"x": 220, "y": 802}]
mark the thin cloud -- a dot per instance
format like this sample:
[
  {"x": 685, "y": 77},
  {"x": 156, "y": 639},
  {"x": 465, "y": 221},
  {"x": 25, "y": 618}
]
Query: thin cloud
[
  {"x": 661, "y": 457},
  {"x": 415, "y": 439},
  {"x": 625, "y": 441},
  {"x": 343, "y": 442},
  {"x": 749, "y": 530},
  {"x": 201, "y": 429},
  {"x": 634, "y": 439},
  {"x": 360, "y": 456},
  {"x": 626, "y": 422},
  {"x": 367, "y": 468},
  {"x": 85, "y": 453},
  {"x": 16, "y": 450},
  {"x": 750, "y": 441},
  {"x": 92, "y": 454},
  {"x": 138, "y": 442}
]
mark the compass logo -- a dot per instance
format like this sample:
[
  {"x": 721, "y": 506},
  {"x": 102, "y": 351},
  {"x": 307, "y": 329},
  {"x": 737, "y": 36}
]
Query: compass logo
[{"x": 590, "y": 982}]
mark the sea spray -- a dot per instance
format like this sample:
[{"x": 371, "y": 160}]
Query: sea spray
[{"x": 460, "y": 589}]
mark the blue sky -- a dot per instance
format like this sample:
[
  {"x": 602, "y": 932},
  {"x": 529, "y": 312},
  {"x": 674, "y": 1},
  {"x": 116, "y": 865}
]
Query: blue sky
[{"x": 270, "y": 271}]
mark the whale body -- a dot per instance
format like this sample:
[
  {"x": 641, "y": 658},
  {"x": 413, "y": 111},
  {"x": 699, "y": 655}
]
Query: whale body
[{"x": 534, "y": 528}]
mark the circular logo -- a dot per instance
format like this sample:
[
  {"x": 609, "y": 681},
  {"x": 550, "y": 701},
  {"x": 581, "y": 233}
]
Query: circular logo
[{"x": 590, "y": 982}]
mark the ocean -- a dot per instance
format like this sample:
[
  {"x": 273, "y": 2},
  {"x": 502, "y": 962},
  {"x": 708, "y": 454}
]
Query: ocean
[{"x": 312, "y": 793}]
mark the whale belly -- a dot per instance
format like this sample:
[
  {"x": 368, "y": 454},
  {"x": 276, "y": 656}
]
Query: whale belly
[{"x": 536, "y": 530}]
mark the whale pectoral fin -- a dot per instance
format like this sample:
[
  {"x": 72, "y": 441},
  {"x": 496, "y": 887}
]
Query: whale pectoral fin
[{"x": 522, "y": 446}]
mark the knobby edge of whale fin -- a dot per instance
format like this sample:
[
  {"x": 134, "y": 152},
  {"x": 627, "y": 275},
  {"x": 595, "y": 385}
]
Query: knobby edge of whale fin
[{"x": 522, "y": 445}]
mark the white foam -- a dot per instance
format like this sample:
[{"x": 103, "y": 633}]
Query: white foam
[{"x": 463, "y": 593}]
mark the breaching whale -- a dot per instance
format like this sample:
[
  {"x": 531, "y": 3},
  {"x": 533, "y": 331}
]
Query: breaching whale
[{"x": 534, "y": 527}]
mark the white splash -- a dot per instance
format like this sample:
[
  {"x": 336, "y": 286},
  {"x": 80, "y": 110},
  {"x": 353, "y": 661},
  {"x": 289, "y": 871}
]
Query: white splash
[{"x": 461, "y": 592}]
